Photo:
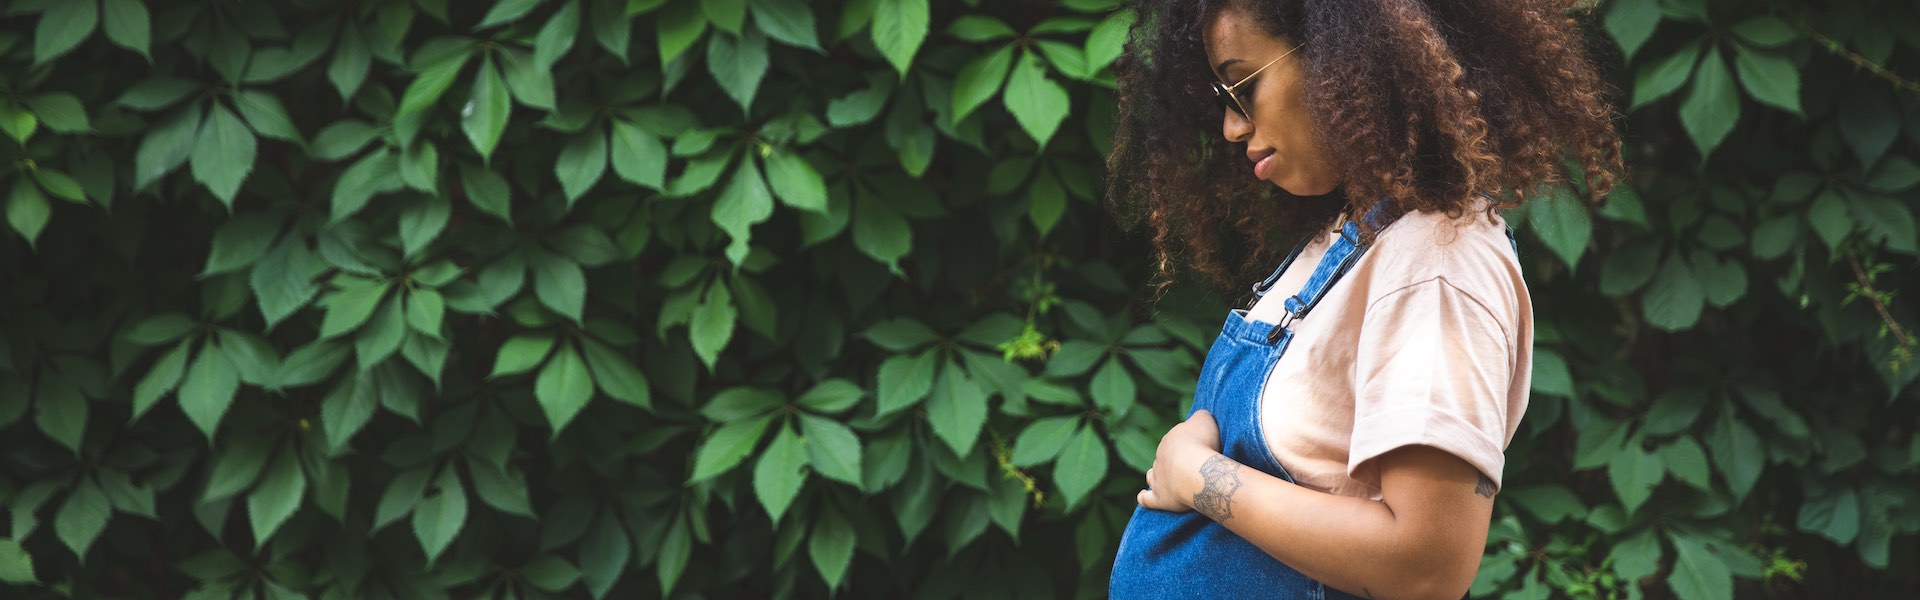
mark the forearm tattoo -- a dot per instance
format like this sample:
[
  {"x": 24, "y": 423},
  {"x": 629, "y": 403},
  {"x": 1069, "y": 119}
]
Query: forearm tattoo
[
  {"x": 1221, "y": 479},
  {"x": 1485, "y": 487}
]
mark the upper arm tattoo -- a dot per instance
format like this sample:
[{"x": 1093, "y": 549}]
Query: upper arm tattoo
[
  {"x": 1221, "y": 477},
  {"x": 1485, "y": 487}
]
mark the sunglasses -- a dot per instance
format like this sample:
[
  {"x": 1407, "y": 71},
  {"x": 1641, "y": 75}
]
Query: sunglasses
[{"x": 1225, "y": 92}]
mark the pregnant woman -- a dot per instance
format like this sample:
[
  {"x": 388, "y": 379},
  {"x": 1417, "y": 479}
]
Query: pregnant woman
[{"x": 1348, "y": 427}]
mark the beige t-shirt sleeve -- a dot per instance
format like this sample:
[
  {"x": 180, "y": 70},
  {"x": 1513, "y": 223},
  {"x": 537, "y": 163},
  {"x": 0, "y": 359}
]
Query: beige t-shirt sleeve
[{"x": 1437, "y": 372}]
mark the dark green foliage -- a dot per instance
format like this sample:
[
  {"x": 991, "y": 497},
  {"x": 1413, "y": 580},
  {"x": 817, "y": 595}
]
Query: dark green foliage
[{"x": 750, "y": 298}]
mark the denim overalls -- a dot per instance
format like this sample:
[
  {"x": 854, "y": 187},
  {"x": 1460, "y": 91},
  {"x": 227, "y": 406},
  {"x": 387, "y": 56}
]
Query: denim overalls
[{"x": 1188, "y": 555}]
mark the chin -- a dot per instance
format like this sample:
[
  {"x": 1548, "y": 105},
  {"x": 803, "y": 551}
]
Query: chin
[{"x": 1308, "y": 188}]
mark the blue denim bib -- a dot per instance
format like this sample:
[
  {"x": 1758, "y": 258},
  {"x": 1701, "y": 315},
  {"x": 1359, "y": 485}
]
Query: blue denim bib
[{"x": 1188, "y": 555}]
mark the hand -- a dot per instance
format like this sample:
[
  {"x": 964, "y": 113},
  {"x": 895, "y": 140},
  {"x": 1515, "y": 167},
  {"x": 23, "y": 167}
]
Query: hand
[{"x": 1174, "y": 476}]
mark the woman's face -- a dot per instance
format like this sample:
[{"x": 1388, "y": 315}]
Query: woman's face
[{"x": 1281, "y": 148}]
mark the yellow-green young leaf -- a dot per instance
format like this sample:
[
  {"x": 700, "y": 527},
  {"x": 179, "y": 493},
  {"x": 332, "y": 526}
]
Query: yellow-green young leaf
[
  {"x": 1711, "y": 106},
  {"x": 1105, "y": 42},
  {"x": 556, "y": 37},
  {"x": 1112, "y": 387},
  {"x": 439, "y": 518},
  {"x": 616, "y": 376},
  {"x": 27, "y": 210},
  {"x": 979, "y": 80},
  {"x": 831, "y": 546},
  {"x": 82, "y": 517},
  {"x": 726, "y": 15},
  {"x": 484, "y": 118},
  {"x": 581, "y": 163},
  {"x": 638, "y": 156},
  {"x": 1674, "y": 300},
  {"x": 604, "y": 554},
  {"x": 61, "y": 411},
  {"x": 722, "y": 449},
  {"x": 208, "y": 389},
  {"x": 559, "y": 284},
  {"x": 223, "y": 154},
  {"x": 957, "y": 409},
  {"x": 563, "y": 387},
  {"x": 1082, "y": 464},
  {"x": 62, "y": 27},
  {"x": 16, "y": 566},
  {"x": 905, "y": 379},
  {"x": 60, "y": 111},
  {"x": 18, "y": 122},
  {"x": 1561, "y": 221},
  {"x": 899, "y": 27},
  {"x": 277, "y": 497},
  {"x": 711, "y": 325},
  {"x": 738, "y": 64},
  {"x": 520, "y": 353},
  {"x": 832, "y": 449},
  {"x": 160, "y": 379},
  {"x": 789, "y": 21},
  {"x": 1698, "y": 574},
  {"x": 677, "y": 28},
  {"x": 347, "y": 409},
  {"x": 1036, "y": 102},
  {"x": 1043, "y": 440},
  {"x": 780, "y": 472},
  {"x": 796, "y": 181}
]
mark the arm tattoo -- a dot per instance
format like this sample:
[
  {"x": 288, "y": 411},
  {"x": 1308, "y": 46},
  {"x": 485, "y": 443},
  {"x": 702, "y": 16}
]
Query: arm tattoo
[
  {"x": 1222, "y": 478},
  {"x": 1485, "y": 487}
]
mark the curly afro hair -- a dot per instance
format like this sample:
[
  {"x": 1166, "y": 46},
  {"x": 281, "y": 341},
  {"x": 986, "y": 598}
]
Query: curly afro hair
[{"x": 1432, "y": 103}]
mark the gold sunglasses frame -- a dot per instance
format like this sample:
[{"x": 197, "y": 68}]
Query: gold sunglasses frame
[{"x": 1232, "y": 102}]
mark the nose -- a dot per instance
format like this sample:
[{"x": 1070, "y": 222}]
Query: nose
[{"x": 1234, "y": 127}]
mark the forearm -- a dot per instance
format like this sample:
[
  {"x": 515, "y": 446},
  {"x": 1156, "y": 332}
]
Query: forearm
[{"x": 1354, "y": 544}]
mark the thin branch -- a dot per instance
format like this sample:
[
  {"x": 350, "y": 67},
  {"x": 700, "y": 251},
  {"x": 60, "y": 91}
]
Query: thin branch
[{"x": 1872, "y": 295}]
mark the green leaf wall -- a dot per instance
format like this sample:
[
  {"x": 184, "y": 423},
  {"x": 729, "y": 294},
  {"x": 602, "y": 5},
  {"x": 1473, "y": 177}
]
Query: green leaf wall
[{"x": 765, "y": 298}]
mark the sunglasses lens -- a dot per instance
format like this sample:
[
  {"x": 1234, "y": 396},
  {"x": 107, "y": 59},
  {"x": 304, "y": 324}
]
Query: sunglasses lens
[{"x": 1227, "y": 100}]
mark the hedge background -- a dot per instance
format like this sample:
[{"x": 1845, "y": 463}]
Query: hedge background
[{"x": 740, "y": 298}]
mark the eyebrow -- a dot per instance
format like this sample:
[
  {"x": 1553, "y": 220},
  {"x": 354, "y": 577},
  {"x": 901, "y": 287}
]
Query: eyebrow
[{"x": 1221, "y": 70}]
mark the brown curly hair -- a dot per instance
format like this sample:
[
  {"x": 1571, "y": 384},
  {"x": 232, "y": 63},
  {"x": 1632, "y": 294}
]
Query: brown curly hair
[{"x": 1432, "y": 103}]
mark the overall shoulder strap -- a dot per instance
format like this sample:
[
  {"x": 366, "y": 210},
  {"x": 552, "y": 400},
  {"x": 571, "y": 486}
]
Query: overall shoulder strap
[{"x": 1346, "y": 251}]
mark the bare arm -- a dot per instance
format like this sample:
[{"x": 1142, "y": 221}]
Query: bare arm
[{"x": 1423, "y": 539}]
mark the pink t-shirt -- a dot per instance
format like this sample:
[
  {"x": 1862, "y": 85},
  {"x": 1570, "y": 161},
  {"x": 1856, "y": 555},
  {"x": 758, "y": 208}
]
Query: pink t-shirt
[{"x": 1428, "y": 340}]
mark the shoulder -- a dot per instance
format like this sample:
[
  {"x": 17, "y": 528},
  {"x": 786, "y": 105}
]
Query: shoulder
[{"x": 1469, "y": 254}]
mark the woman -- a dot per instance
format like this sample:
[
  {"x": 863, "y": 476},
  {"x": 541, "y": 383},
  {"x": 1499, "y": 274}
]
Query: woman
[{"x": 1348, "y": 431}]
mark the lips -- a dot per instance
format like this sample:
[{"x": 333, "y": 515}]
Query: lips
[{"x": 1262, "y": 163}]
